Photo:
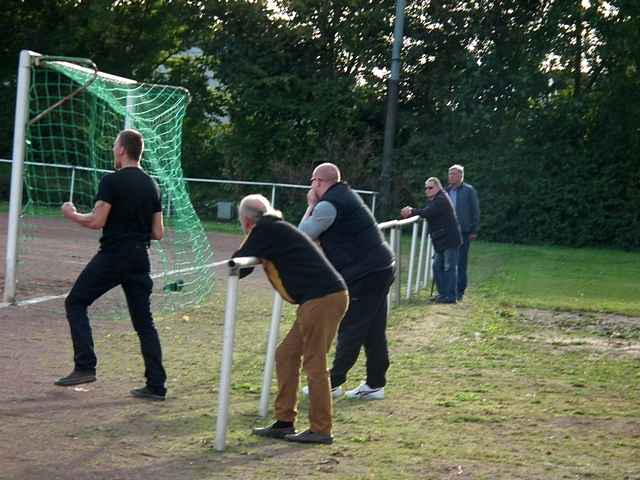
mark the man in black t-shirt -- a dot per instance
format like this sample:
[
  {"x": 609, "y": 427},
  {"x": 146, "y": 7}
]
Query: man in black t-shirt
[
  {"x": 128, "y": 210},
  {"x": 300, "y": 273}
]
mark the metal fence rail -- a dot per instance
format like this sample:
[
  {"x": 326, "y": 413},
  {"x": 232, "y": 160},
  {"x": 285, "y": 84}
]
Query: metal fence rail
[
  {"x": 418, "y": 276},
  {"x": 274, "y": 186},
  {"x": 9, "y": 291},
  {"x": 424, "y": 260},
  {"x": 421, "y": 280}
]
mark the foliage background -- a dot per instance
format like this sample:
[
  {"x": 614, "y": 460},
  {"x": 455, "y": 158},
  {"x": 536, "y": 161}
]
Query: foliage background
[{"x": 539, "y": 100}]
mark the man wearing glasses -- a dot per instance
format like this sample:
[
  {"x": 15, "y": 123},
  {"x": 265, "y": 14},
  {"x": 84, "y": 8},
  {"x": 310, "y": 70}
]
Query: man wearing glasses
[
  {"x": 445, "y": 235},
  {"x": 348, "y": 234}
]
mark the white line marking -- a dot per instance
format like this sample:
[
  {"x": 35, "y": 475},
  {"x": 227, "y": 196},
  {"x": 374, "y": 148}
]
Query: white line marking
[
  {"x": 40, "y": 299},
  {"x": 32, "y": 301}
]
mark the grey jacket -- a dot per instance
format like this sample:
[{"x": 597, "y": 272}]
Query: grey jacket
[{"x": 467, "y": 208}]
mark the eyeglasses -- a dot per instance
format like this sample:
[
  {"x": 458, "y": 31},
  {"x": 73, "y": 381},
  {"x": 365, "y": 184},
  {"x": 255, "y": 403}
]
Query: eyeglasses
[{"x": 429, "y": 188}]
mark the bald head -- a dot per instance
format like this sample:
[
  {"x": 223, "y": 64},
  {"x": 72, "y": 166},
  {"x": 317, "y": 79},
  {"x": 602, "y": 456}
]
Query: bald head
[
  {"x": 324, "y": 177},
  {"x": 327, "y": 172}
]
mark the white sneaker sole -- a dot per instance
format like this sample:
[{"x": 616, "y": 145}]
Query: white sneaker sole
[
  {"x": 335, "y": 393},
  {"x": 357, "y": 394}
]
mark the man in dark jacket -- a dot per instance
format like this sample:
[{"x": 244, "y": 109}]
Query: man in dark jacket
[
  {"x": 465, "y": 202},
  {"x": 348, "y": 233},
  {"x": 301, "y": 274},
  {"x": 445, "y": 235}
]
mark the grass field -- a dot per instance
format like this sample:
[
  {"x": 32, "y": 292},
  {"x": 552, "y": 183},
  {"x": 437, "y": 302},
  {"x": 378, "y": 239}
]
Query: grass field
[
  {"x": 558, "y": 278},
  {"x": 479, "y": 390},
  {"x": 475, "y": 391},
  {"x": 555, "y": 278},
  {"x": 487, "y": 389},
  {"x": 548, "y": 277}
]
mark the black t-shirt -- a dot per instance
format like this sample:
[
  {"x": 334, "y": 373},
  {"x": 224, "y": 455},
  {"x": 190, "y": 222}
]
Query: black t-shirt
[
  {"x": 134, "y": 198},
  {"x": 295, "y": 266}
]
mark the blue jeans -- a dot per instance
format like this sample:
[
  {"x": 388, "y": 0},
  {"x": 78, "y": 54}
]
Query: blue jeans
[
  {"x": 463, "y": 257},
  {"x": 445, "y": 273}
]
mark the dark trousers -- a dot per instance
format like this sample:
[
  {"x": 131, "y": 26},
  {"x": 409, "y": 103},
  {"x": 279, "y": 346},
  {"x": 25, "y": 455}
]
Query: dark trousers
[
  {"x": 128, "y": 267},
  {"x": 463, "y": 257},
  {"x": 364, "y": 324}
]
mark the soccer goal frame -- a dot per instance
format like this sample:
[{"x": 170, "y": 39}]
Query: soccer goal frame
[
  {"x": 17, "y": 168},
  {"x": 27, "y": 60},
  {"x": 113, "y": 103}
]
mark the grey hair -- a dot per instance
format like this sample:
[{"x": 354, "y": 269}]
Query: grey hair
[
  {"x": 457, "y": 167},
  {"x": 255, "y": 206},
  {"x": 435, "y": 180}
]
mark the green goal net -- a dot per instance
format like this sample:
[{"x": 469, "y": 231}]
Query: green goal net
[{"x": 75, "y": 115}]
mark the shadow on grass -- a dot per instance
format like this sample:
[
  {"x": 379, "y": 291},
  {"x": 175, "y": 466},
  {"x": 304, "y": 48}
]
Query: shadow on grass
[
  {"x": 137, "y": 455},
  {"x": 53, "y": 402},
  {"x": 196, "y": 466}
]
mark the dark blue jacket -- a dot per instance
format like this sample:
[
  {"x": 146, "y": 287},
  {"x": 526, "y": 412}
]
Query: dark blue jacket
[
  {"x": 353, "y": 243},
  {"x": 443, "y": 225},
  {"x": 467, "y": 208}
]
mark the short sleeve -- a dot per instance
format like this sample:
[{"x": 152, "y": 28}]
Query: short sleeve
[
  {"x": 157, "y": 201},
  {"x": 105, "y": 190}
]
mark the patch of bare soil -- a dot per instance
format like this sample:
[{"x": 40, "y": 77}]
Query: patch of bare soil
[
  {"x": 626, "y": 426},
  {"x": 43, "y": 428},
  {"x": 600, "y": 331}
]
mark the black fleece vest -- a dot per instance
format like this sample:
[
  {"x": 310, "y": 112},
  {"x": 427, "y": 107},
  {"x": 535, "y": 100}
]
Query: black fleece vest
[{"x": 353, "y": 243}]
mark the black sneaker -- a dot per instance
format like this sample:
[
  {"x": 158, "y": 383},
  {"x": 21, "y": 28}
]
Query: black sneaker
[
  {"x": 273, "y": 431},
  {"x": 144, "y": 392},
  {"x": 76, "y": 377},
  {"x": 309, "y": 437}
]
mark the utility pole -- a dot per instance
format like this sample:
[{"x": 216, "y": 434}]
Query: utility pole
[{"x": 392, "y": 109}]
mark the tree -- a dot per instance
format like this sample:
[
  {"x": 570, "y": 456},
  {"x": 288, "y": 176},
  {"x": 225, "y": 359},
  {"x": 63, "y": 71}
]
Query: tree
[
  {"x": 129, "y": 38},
  {"x": 540, "y": 100},
  {"x": 298, "y": 79}
]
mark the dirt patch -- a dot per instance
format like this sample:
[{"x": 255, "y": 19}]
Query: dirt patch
[
  {"x": 596, "y": 323},
  {"x": 627, "y": 427},
  {"x": 45, "y": 431},
  {"x": 98, "y": 432},
  {"x": 603, "y": 332}
]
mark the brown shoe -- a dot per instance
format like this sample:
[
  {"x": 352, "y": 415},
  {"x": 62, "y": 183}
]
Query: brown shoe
[
  {"x": 309, "y": 437},
  {"x": 76, "y": 377},
  {"x": 272, "y": 431}
]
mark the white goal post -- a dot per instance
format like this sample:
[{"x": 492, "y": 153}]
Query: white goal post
[
  {"x": 15, "y": 199},
  {"x": 27, "y": 59}
]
